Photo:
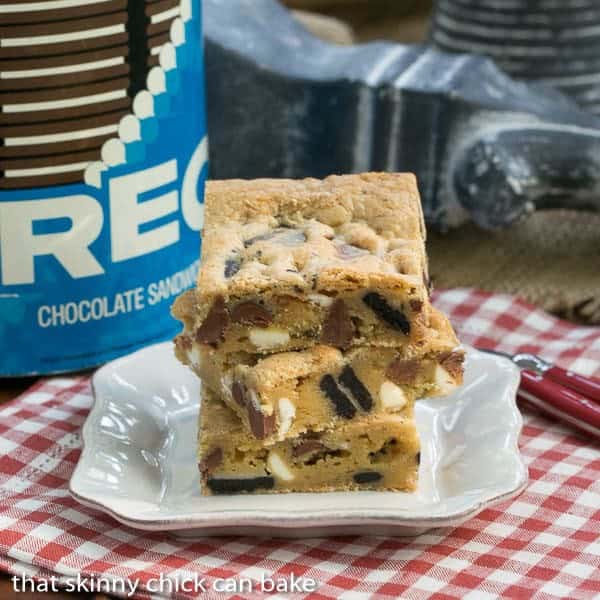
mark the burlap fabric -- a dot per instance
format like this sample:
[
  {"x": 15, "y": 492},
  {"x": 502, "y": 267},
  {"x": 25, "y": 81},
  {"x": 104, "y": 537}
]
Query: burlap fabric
[{"x": 551, "y": 259}]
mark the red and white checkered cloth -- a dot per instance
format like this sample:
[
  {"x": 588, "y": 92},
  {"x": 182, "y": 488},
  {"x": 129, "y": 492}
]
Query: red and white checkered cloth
[{"x": 544, "y": 544}]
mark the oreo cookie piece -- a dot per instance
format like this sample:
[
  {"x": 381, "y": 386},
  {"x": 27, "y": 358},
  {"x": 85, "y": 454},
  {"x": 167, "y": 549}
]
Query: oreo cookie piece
[
  {"x": 356, "y": 387},
  {"x": 392, "y": 316},
  {"x": 367, "y": 477},
  {"x": 218, "y": 485},
  {"x": 342, "y": 404}
]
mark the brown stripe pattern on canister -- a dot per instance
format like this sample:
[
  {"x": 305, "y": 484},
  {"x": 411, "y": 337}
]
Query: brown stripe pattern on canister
[{"x": 69, "y": 73}]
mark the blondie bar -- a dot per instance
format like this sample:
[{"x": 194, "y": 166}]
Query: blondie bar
[
  {"x": 289, "y": 264},
  {"x": 377, "y": 453},
  {"x": 286, "y": 394}
]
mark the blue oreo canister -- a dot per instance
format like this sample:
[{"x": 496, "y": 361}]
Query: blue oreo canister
[{"x": 103, "y": 158}]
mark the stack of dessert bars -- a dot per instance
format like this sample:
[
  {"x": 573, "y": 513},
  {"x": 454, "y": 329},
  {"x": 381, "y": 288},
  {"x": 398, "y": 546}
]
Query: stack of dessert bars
[{"x": 313, "y": 334}]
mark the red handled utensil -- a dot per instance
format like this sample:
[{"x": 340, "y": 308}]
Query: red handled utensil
[{"x": 567, "y": 396}]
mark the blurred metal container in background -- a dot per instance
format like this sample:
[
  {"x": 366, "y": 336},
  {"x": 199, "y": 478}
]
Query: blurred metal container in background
[{"x": 556, "y": 42}]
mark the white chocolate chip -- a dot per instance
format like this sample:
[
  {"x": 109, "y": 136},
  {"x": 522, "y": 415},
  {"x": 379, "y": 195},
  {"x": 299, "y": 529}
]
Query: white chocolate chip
[
  {"x": 278, "y": 468},
  {"x": 194, "y": 357},
  {"x": 287, "y": 412},
  {"x": 226, "y": 383},
  {"x": 269, "y": 337},
  {"x": 392, "y": 396},
  {"x": 321, "y": 299},
  {"x": 444, "y": 382}
]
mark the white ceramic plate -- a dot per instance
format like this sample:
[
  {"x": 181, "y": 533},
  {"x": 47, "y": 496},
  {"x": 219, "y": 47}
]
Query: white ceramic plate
[{"x": 139, "y": 459}]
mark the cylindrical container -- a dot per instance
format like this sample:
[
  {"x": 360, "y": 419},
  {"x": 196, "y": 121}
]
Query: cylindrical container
[
  {"x": 103, "y": 156},
  {"x": 556, "y": 42}
]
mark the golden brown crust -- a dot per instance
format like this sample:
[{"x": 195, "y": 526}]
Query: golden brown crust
[
  {"x": 279, "y": 255},
  {"x": 351, "y": 230}
]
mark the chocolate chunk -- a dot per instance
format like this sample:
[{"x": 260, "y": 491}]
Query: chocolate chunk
[
  {"x": 258, "y": 238},
  {"x": 349, "y": 252},
  {"x": 212, "y": 330},
  {"x": 235, "y": 485},
  {"x": 418, "y": 458},
  {"x": 392, "y": 316},
  {"x": 238, "y": 393},
  {"x": 307, "y": 447},
  {"x": 356, "y": 387},
  {"x": 286, "y": 236},
  {"x": 211, "y": 462},
  {"x": 338, "y": 329},
  {"x": 367, "y": 477},
  {"x": 403, "y": 372},
  {"x": 342, "y": 404},
  {"x": 261, "y": 424},
  {"x": 416, "y": 305},
  {"x": 453, "y": 363},
  {"x": 251, "y": 313},
  {"x": 232, "y": 266}
]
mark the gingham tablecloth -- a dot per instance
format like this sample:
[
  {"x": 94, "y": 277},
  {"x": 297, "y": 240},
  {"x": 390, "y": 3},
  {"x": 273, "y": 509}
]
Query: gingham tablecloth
[{"x": 544, "y": 544}]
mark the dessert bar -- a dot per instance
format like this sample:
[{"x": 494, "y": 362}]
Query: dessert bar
[
  {"x": 379, "y": 453},
  {"x": 289, "y": 264},
  {"x": 312, "y": 331},
  {"x": 283, "y": 395}
]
